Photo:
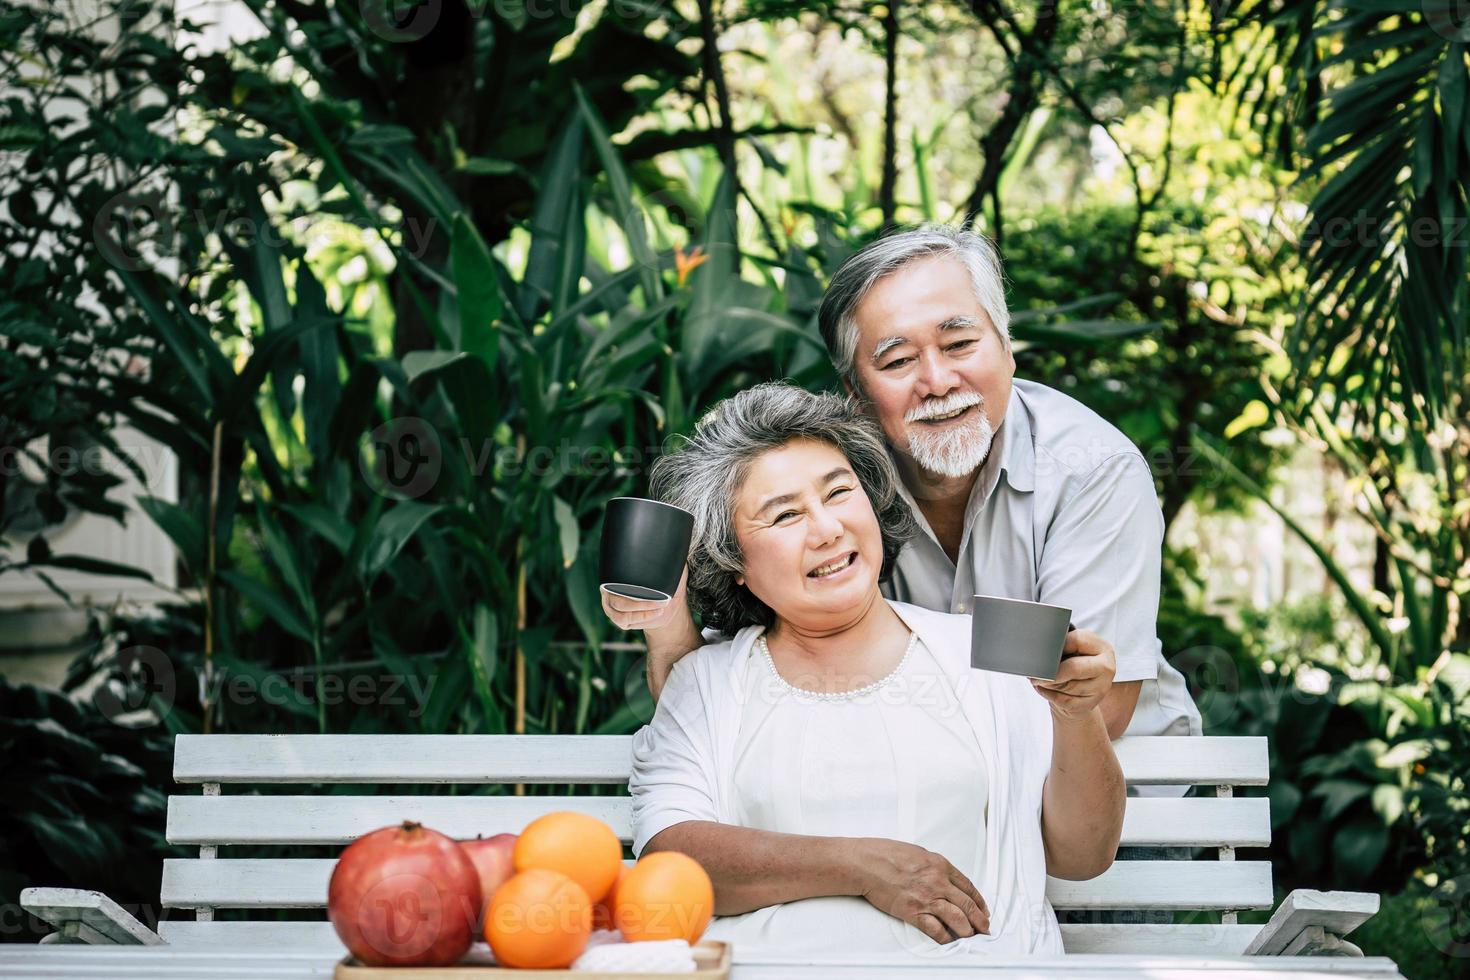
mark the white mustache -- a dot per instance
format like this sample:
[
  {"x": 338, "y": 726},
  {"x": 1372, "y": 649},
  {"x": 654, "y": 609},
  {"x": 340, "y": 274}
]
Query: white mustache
[{"x": 943, "y": 406}]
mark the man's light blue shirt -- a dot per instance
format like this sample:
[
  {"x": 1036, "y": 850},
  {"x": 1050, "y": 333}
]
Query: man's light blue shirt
[{"x": 1064, "y": 512}]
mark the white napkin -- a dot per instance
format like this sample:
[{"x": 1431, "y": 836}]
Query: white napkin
[{"x": 607, "y": 952}]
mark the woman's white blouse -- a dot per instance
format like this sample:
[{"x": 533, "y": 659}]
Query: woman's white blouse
[
  {"x": 944, "y": 756},
  {"x": 899, "y": 762}
]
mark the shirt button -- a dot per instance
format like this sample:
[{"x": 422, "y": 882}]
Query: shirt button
[{"x": 959, "y": 607}]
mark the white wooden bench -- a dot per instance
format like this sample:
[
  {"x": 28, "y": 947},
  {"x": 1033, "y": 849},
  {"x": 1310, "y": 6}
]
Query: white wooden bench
[{"x": 1306, "y": 922}]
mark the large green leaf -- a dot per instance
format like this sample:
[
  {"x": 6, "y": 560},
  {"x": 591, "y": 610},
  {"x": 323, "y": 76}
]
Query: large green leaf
[
  {"x": 272, "y": 603},
  {"x": 394, "y": 530},
  {"x": 557, "y": 213},
  {"x": 477, "y": 286},
  {"x": 626, "y": 212},
  {"x": 182, "y": 528},
  {"x": 712, "y": 292},
  {"x": 567, "y": 531}
]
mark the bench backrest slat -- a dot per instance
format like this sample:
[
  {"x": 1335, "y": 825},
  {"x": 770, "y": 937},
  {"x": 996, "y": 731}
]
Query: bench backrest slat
[
  {"x": 1192, "y": 821},
  {"x": 301, "y": 883},
  {"x": 590, "y": 759}
]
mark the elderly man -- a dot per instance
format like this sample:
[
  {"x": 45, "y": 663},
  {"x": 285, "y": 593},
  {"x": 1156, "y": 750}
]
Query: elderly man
[{"x": 1019, "y": 490}]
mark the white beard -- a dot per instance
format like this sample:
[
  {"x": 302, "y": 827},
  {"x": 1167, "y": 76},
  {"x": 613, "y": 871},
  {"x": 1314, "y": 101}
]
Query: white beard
[{"x": 953, "y": 452}]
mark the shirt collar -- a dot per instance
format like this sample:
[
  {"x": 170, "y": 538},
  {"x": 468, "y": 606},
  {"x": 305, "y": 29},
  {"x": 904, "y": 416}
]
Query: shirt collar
[
  {"x": 1011, "y": 453},
  {"x": 1018, "y": 452}
]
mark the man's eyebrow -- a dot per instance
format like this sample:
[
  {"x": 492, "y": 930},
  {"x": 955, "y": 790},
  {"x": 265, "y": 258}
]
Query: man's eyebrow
[
  {"x": 887, "y": 344},
  {"x": 786, "y": 498},
  {"x": 961, "y": 322}
]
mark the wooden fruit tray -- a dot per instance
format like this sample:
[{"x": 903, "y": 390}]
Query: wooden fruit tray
[{"x": 711, "y": 962}]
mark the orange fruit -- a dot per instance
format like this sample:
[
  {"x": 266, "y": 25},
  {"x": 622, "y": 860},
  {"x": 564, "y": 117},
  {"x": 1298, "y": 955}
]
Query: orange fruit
[
  {"x": 538, "y": 920},
  {"x": 581, "y": 847},
  {"x": 602, "y": 912},
  {"x": 666, "y": 895}
]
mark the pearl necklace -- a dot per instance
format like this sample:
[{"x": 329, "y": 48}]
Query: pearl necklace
[{"x": 834, "y": 695}]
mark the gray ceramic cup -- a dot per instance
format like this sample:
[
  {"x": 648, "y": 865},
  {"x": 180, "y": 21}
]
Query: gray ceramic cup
[
  {"x": 644, "y": 546},
  {"x": 1014, "y": 636}
]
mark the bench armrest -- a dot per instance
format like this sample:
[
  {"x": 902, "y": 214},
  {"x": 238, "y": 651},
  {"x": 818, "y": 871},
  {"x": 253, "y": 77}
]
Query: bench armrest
[
  {"x": 1313, "y": 923},
  {"x": 86, "y": 917}
]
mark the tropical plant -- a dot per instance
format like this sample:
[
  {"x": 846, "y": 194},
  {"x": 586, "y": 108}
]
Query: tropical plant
[{"x": 85, "y": 802}]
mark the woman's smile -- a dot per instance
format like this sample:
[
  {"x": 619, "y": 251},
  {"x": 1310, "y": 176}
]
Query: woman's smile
[{"x": 837, "y": 568}]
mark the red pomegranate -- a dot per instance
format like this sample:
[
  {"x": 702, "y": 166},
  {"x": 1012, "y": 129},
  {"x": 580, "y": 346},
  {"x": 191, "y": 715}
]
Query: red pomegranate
[
  {"x": 492, "y": 859},
  {"x": 404, "y": 896}
]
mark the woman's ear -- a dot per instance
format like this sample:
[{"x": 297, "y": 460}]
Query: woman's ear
[{"x": 740, "y": 580}]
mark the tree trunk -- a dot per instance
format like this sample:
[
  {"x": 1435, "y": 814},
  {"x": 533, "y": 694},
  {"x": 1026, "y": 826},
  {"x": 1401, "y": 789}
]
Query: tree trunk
[
  {"x": 888, "y": 188},
  {"x": 1021, "y": 96}
]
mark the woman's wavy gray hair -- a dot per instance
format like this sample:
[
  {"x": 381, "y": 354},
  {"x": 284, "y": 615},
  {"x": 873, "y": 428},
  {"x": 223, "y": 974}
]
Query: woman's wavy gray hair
[{"x": 704, "y": 476}]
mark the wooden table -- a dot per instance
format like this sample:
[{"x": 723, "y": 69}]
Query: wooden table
[{"x": 57, "y": 962}]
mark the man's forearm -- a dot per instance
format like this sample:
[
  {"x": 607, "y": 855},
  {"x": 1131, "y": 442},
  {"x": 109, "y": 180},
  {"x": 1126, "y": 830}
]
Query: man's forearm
[
  {"x": 665, "y": 647},
  {"x": 1117, "y": 706},
  {"x": 752, "y": 869},
  {"x": 1083, "y": 801}
]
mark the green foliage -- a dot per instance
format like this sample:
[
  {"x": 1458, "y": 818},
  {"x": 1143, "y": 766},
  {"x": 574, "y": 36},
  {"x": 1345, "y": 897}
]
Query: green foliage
[
  {"x": 1346, "y": 748},
  {"x": 1186, "y": 371},
  {"x": 84, "y": 804},
  {"x": 1400, "y": 932}
]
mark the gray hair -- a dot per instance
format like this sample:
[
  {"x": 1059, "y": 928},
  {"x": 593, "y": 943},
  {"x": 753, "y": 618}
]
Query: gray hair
[
  {"x": 705, "y": 474},
  {"x": 864, "y": 269}
]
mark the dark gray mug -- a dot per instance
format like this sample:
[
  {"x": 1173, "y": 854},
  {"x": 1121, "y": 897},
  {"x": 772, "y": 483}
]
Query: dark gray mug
[
  {"x": 644, "y": 546},
  {"x": 1015, "y": 636}
]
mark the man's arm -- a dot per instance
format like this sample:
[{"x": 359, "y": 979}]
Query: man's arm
[
  {"x": 1083, "y": 800},
  {"x": 1102, "y": 559},
  {"x": 665, "y": 647},
  {"x": 1084, "y": 796},
  {"x": 667, "y": 625},
  {"x": 1117, "y": 707}
]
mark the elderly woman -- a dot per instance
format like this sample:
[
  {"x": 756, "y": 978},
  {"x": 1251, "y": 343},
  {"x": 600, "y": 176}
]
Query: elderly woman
[{"x": 849, "y": 782}]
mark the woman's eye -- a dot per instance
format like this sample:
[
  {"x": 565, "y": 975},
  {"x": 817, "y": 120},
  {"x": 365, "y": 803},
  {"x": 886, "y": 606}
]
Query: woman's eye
[
  {"x": 837, "y": 491},
  {"x": 783, "y": 515}
]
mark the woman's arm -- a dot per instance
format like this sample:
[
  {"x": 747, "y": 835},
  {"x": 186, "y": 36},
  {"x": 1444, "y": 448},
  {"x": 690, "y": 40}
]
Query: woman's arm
[
  {"x": 752, "y": 869},
  {"x": 1084, "y": 796}
]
